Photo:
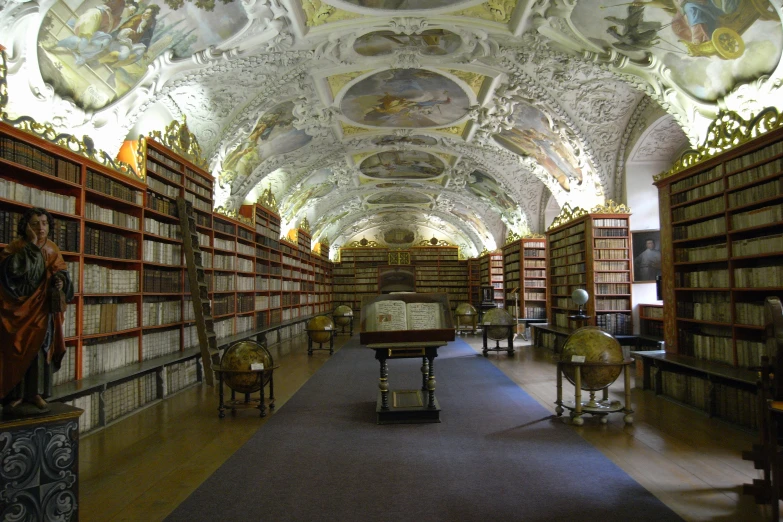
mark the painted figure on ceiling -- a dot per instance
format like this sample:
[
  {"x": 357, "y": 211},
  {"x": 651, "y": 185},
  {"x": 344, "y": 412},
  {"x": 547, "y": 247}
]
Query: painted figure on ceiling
[
  {"x": 92, "y": 30},
  {"x": 703, "y": 17}
]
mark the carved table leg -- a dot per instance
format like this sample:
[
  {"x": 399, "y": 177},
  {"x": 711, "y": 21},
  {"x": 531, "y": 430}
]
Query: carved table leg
[
  {"x": 628, "y": 418},
  {"x": 431, "y": 382},
  {"x": 511, "y": 341},
  {"x": 222, "y": 406},
  {"x": 425, "y": 371},
  {"x": 577, "y": 413},
  {"x": 559, "y": 401},
  {"x": 383, "y": 384}
]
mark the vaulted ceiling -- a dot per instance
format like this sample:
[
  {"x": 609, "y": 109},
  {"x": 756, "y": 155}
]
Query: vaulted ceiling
[{"x": 399, "y": 120}]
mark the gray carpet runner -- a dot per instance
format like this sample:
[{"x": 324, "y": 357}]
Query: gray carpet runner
[{"x": 497, "y": 455}]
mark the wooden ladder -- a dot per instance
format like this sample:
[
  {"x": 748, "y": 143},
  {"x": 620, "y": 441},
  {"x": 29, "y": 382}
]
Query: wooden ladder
[{"x": 210, "y": 355}]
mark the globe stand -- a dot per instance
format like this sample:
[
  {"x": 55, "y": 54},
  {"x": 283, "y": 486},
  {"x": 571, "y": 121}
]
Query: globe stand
[
  {"x": 509, "y": 336},
  {"x": 248, "y": 402},
  {"x": 310, "y": 342},
  {"x": 339, "y": 320},
  {"x": 600, "y": 408},
  {"x": 460, "y": 321}
]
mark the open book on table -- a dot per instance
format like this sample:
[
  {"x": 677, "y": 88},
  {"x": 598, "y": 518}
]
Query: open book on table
[{"x": 393, "y": 315}]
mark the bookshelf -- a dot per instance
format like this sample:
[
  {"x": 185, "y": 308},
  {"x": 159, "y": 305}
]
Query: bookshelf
[
  {"x": 491, "y": 272},
  {"x": 591, "y": 251},
  {"x": 651, "y": 321},
  {"x": 130, "y": 331},
  {"x": 439, "y": 270},
  {"x": 524, "y": 268},
  {"x": 356, "y": 275},
  {"x": 474, "y": 282}
]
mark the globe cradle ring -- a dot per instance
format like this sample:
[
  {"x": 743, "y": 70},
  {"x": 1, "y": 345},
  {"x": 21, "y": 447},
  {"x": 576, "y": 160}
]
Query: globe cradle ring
[
  {"x": 240, "y": 356},
  {"x": 596, "y": 346}
]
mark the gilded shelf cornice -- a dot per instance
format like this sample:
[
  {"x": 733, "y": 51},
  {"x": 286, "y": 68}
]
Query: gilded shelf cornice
[
  {"x": 268, "y": 201},
  {"x": 729, "y": 130},
  {"x": 83, "y": 147},
  {"x": 433, "y": 242},
  {"x": 511, "y": 237},
  {"x": 236, "y": 216},
  {"x": 567, "y": 214},
  {"x": 610, "y": 207},
  {"x": 534, "y": 236},
  {"x": 483, "y": 252},
  {"x": 365, "y": 243},
  {"x": 178, "y": 138},
  {"x": 305, "y": 225}
]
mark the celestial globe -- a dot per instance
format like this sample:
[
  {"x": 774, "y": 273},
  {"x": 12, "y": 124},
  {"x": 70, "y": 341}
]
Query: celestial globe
[
  {"x": 596, "y": 346},
  {"x": 466, "y": 314},
  {"x": 499, "y": 320},
  {"x": 320, "y": 328},
  {"x": 343, "y": 315},
  {"x": 241, "y": 356}
]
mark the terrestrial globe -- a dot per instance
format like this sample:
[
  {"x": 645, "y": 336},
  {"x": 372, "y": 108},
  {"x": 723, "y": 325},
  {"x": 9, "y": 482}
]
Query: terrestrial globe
[
  {"x": 240, "y": 356},
  {"x": 320, "y": 328},
  {"x": 499, "y": 320},
  {"x": 343, "y": 315},
  {"x": 466, "y": 314},
  {"x": 596, "y": 346}
]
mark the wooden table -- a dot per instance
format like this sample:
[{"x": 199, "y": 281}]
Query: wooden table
[
  {"x": 408, "y": 406},
  {"x": 248, "y": 402}
]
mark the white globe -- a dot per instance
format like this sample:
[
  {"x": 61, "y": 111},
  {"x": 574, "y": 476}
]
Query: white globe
[{"x": 580, "y": 296}]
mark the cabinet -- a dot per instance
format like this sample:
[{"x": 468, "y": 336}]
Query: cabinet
[
  {"x": 524, "y": 270},
  {"x": 591, "y": 251}
]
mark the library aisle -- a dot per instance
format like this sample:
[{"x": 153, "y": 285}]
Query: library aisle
[{"x": 143, "y": 466}]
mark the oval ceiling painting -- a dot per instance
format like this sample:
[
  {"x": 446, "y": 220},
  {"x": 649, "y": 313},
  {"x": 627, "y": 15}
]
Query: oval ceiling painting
[
  {"x": 402, "y": 164},
  {"x": 272, "y": 134},
  {"x": 435, "y": 42},
  {"x": 709, "y": 45},
  {"x": 486, "y": 188},
  {"x": 402, "y": 4},
  {"x": 95, "y": 51},
  {"x": 399, "y": 236},
  {"x": 407, "y": 98},
  {"x": 397, "y": 198}
]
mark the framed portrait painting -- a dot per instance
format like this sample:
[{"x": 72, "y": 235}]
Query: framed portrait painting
[{"x": 646, "y": 252}]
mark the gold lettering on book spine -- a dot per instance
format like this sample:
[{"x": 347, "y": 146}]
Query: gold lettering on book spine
[{"x": 729, "y": 130}]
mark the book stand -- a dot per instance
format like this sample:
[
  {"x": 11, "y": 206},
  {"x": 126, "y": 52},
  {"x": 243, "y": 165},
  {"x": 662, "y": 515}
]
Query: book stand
[{"x": 407, "y": 406}]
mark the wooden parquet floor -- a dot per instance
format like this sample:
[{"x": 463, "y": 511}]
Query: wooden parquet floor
[{"x": 141, "y": 467}]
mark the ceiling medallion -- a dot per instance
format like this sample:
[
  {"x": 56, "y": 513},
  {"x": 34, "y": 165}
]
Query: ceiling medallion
[
  {"x": 178, "y": 138},
  {"x": 610, "y": 207},
  {"x": 727, "y": 131},
  {"x": 567, "y": 214}
]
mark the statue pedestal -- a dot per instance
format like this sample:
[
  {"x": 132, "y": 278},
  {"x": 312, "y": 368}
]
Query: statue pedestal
[{"x": 39, "y": 464}]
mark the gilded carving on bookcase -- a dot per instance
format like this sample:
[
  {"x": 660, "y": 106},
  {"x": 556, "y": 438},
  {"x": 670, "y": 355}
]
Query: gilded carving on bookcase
[
  {"x": 483, "y": 252},
  {"x": 141, "y": 157},
  {"x": 399, "y": 257},
  {"x": 305, "y": 225},
  {"x": 567, "y": 214},
  {"x": 729, "y": 130},
  {"x": 493, "y": 10},
  {"x": 433, "y": 242},
  {"x": 178, "y": 138},
  {"x": 610, "y": 207},
  {"x": 233, "y": 214},
  {"x": 533, "y": 236},
  {"x": 364, "y": 243},
  {"x": 3, "y": 84},
  {"x": 267, "y": 200},
  {"x": 511, "y": 237}
]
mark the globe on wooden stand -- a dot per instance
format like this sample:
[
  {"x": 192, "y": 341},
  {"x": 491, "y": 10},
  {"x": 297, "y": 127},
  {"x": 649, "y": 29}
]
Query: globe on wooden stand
[
  {"x": 343, "y": 317},
  {"x": 246, "y": 367},
  {"x": 591, "y": 360},
  {"x": 320, "y": 329},
  {"x": 498, "y": 325},
  {"x": 466, "y": 317}
]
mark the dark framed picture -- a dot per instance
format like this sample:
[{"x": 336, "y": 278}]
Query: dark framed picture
[{"x": 646, "y": 252}]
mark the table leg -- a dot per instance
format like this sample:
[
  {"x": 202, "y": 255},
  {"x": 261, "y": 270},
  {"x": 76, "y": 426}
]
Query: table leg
[
  {"x": 511, "y": 341},
  {"x": 628, "y": 418},
  {"x": 559, "y": 401},
  {"x": 383, "y": 384},
  {"x": 425, "y": 371},
  {"x": 331, "y": 343},
  {"x": 431, "y": 382},
  {"x": 577, "y": 413},
  {"x": 261, "y": 405},
  {"x": 485, "y": 350},
  {"x": 222, "y": 406},
  {"x": 272, "y": 391}
]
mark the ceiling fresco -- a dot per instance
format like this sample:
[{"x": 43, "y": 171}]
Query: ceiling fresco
[
  {"x": 464, "y": 120},
  {"x": 405, "y": 98}
]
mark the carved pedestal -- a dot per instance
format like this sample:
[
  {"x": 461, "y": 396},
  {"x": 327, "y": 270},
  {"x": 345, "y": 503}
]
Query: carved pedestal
[{"x": 39, "y": 465}]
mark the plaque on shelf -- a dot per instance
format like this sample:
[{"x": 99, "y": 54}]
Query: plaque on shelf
[{"x": 406, "y": 317}]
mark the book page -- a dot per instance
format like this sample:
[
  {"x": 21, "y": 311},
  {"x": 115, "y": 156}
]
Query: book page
[
  {"x": 424, "y": 316},
  {"x": 388, "y": 316}
]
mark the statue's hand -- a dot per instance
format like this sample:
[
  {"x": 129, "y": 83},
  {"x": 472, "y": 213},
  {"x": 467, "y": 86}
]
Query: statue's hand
[
  {"x": 32, "y": 235},
  {"x": 58, "y": 283}
]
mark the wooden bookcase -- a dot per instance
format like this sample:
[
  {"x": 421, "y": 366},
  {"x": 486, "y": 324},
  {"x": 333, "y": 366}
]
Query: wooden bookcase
[
  {"x": 358, "y": 274},
  {"x": 491, "y": 270},
  {"x": 591, "y": 251},
  {"x": 651, "y": 321},
  {"x": 524, "y": 268},
  {"x": 130, "y": 331},
  {"x": 439, "y": 270},
  {"x": 474, "y": 282},
  {"x": 722, "y": 251}
]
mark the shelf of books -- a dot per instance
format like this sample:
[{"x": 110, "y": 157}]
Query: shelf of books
[
  {"x": 591, "y": 251},
  {"x": 491, "y": 270},
  {"x": 438, "y": 269},
  {"x": 524, "y": 270},
  {"x": 651, "y": 321},
  {"x": 356, "y": 275},
  {"x": 474, "y": 282}
]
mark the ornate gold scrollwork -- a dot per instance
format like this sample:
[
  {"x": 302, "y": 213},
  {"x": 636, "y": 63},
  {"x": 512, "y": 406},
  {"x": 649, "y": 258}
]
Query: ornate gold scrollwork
[
  {"x": 305, "y": 225},
  {"x": 729, "y": 130},
  {"x": 365, "y": 243},
  {"x": 511, "y": 237},
  {"x": 178, "y": 138},
  {"x": 267, "y": 200},
  {"x": 567, "y": 214},
  {"x": 233, "y": 214},
  {"x": 610, "y": 207}
]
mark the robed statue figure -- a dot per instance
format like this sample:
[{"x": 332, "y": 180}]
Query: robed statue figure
[{"x": 34, "y": 286}]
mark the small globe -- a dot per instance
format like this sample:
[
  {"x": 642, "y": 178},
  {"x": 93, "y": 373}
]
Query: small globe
[
  {"x": 320, "y": 328},
  {"x": 580, "y": 296},
  {"x": 240, "y": 356},
  {"x": 596, "y": 346},
  {"x": 498, "y": 320},
  {"x": 466, "y": 314},
  {"x": 343, "y": 315}
]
